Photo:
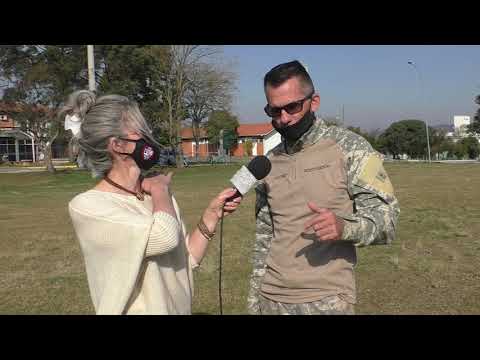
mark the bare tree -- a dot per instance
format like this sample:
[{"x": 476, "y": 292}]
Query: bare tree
[
  {"x": 210, "y": 88},
  {"x": 183, "y": 59}
]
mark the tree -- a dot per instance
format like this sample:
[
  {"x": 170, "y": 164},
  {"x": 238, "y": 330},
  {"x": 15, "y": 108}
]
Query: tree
[
  {"x": 370, "y": 137},
  {"x": 139, "y": 73},
  {"x": 405, "y": 137},
  {"x": 468, "y": 147},
  {"x": 474, "y": 127},
  {"x": 37, "y": 79},
  {"x": 459, "y": 150},
  {"x": 183, "y": 60},
  {"x": 447, "y": 146},
  {"x": 209, "y": 88},
  {"x": 219, "y": 120},
  {"x": 229, "y": 139}
]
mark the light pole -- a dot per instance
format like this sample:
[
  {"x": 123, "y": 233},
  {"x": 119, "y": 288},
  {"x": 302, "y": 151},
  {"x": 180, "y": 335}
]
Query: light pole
[
  {"x": 420, "y": 85},
  {"x": 91, "y": 68}
]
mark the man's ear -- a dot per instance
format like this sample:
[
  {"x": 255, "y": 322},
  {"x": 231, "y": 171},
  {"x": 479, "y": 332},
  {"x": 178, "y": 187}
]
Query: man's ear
[{"x": 315, "y": 102}]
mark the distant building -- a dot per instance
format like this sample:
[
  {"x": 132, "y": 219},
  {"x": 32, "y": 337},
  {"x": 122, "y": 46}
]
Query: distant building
[
  {"x": 189, "y": 146},
  {"x": 259, "y": 135},
  {"x": 461, "y": 121},
  {"x": 460, "y": 124},
  {"x": 15, "y": 144},
  {"x": 18, "y": 145},
  {"x": 262, "y": 136}
]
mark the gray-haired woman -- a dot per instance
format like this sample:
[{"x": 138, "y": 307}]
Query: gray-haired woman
[{"x": 138, "y": 255}]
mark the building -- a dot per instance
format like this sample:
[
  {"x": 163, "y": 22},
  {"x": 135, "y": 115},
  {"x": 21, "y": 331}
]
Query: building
[
  {"x": 262, "y": 136},
  {"x": 258, "y": 134},
  {"x": 204, "y": 148},
  {"x": 460, "y": 123},
  {"x": 15, "y": 144}
]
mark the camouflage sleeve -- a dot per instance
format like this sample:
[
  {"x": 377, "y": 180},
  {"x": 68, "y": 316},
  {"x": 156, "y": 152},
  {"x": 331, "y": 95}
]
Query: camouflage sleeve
[
  {"x": 376, "y": 208},
  {"x": 263, "y": 238}
]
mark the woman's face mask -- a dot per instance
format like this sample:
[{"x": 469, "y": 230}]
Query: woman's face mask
[{"x": 145, "y": 154}]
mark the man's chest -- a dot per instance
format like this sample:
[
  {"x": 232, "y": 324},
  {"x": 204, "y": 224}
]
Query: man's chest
[{"x": 316, "y": 174}]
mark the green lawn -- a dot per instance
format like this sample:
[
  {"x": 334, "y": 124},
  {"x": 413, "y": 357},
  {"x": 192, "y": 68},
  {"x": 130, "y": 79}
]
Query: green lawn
[{"x": 432, "y": 268}]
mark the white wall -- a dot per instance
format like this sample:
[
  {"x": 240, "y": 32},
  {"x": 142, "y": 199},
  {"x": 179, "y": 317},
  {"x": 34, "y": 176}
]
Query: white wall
[
  {"x": 460, "y": 120},
  {"x": 270, "y": 141}
]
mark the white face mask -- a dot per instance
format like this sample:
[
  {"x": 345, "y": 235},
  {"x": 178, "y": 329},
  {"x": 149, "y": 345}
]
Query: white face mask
[{"x": 73, "y": 123}]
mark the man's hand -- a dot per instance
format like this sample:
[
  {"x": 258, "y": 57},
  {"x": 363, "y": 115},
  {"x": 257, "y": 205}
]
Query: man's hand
[{"x": 326, "y": 225}]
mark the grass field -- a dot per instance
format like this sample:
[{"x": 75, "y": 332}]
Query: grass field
[{"x": 433, "y": 266}]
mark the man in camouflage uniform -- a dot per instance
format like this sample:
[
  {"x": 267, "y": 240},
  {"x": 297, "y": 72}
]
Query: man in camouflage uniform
[{"x": 326, "y": 194}]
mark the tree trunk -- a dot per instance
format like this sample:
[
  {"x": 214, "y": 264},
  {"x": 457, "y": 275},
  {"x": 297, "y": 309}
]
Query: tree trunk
[
  {"x": 48, "y": 158},
  {"x": 178, "y": 147},
  {"x": 48, "y": 154},
  {"x": 196, "y": 136}
]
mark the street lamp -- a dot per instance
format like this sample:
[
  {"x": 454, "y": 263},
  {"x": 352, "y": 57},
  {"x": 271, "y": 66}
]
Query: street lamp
[{"x": 420, "y": 85}]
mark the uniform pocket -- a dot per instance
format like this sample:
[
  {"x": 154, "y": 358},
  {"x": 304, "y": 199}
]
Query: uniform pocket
[{"x": 324, "y": 183}]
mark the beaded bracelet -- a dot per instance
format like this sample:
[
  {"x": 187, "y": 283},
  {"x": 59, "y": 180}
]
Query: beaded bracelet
[{"x": 204, "y": 229}]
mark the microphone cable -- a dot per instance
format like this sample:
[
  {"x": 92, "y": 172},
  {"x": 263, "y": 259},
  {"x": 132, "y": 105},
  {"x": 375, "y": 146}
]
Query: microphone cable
[{"x": 220, "y": 266}]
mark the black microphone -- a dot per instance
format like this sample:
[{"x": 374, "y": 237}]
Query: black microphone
[{"x": 247, "y": 176}]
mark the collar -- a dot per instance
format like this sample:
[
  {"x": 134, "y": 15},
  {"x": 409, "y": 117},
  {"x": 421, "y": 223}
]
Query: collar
[{"x": 312, "y": 135}]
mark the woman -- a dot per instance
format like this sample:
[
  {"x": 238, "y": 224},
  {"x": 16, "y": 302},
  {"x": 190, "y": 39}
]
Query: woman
[{"x": 138, "y": 256}]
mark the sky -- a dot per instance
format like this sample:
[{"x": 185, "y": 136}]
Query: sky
[{"x": 375, "y": 85}]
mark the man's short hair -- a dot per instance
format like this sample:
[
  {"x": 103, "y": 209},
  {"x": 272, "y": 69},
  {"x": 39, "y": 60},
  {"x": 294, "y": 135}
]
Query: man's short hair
[{"x": 283, "y": 72}]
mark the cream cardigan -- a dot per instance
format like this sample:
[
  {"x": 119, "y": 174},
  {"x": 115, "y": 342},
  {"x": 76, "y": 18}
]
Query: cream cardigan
[{"x": 136, "y": 262}]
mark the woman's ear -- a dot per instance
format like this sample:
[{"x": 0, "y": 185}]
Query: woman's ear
[{"x": 116, "y": 145}]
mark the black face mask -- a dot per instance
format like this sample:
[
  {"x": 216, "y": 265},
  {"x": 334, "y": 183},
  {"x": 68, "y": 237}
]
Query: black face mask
[
  {"x": 294, "y": 132},
  {"x": 145, "y": 155}
]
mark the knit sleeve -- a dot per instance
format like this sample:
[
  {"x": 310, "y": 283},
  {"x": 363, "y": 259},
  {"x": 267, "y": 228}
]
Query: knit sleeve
[
  {"x": 164, "y": 235},
  {"x": 191, "y": 260}
]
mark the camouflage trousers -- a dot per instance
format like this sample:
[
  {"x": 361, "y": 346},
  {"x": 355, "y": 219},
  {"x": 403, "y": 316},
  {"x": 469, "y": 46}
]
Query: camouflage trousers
[{"x": 331, "y": 305}]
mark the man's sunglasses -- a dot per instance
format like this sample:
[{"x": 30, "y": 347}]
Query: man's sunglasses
[{"x": 291, "y": 108}]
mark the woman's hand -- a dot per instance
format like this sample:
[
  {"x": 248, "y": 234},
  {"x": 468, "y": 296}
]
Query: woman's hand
[
  {"x": 214, "y": 209},
  {"x": 158, "y": 183}
]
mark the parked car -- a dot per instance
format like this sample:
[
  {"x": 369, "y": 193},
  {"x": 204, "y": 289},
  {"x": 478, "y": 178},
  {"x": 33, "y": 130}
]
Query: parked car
[
  {"x": 4, "y": 158},
  {"x": 167, "y": 157}
]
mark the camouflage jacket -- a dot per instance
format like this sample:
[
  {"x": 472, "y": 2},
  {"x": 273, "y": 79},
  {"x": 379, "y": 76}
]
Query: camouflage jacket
[{"x": 376, "y": 208}]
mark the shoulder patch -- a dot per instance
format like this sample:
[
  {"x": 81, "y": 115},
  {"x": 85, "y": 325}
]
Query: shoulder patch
[{"x": 374, "y": 175}]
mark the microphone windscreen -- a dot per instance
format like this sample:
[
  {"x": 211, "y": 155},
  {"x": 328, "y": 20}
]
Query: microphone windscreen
[
  {"x": 246, "y": 177},
  {"x": 260, "y": 167}
]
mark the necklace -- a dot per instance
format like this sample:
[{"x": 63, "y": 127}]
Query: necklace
[{"x": 138, "y": 193}]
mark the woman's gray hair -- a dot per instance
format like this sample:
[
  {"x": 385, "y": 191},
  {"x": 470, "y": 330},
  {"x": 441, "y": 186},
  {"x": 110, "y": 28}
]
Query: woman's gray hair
[{"x": 102, "y": 118}]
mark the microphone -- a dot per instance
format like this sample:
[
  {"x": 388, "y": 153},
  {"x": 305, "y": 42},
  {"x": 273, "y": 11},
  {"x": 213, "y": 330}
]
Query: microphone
[{"x": 247, "y": 176}]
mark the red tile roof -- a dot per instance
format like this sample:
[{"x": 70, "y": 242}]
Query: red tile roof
[
  {"x": 254, "y": 129},
  {"x": 260, "y": 129}
]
